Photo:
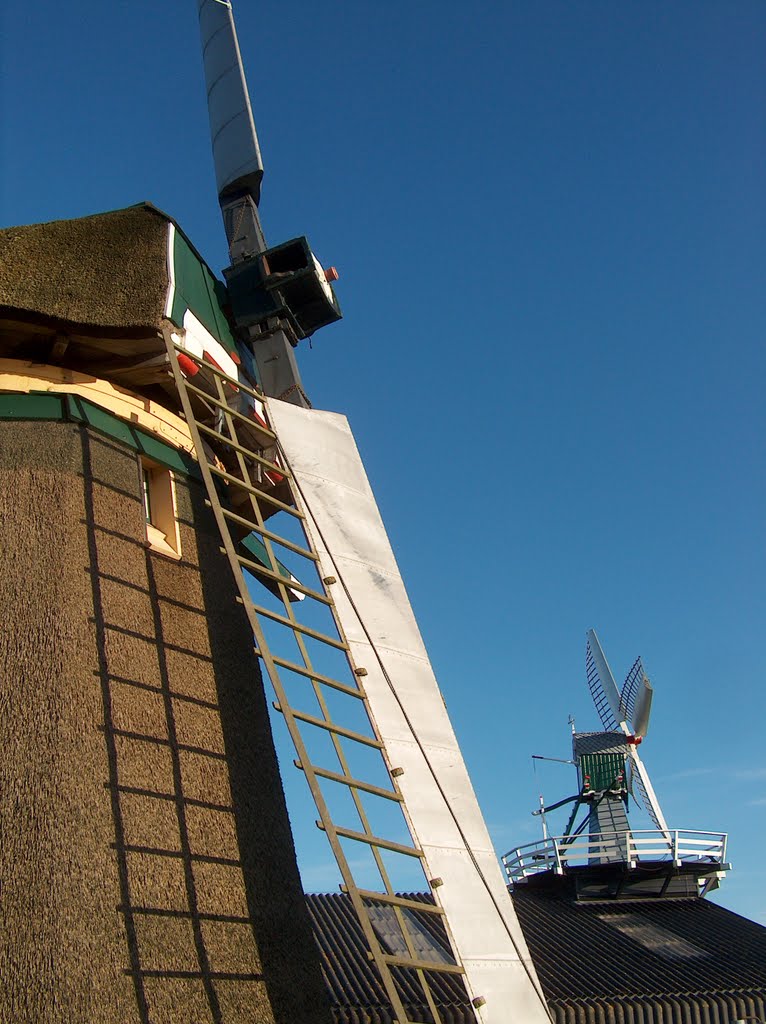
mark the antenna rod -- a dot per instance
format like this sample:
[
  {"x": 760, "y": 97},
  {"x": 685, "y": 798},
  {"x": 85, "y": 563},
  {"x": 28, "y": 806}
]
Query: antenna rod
[
  {"x": 543, "y": 822},
  {"x": 237, "y": 155},
  {"x": 559, "y": 760}
]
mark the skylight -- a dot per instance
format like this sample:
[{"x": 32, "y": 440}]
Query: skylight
[{"x": 659, "y": 940}]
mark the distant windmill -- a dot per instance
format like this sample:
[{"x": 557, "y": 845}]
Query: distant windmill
[
  {"x": 602, "y": 853},
  {"x": 625, "y": 717}
]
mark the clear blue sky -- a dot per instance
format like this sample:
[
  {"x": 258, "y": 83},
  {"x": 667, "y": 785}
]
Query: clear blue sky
[{"x": 549, "y": 222}]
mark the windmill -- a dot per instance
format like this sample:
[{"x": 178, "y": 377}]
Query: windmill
[
  {"x": 603, "y": 854},
  {"x": 157, "y": 443}
]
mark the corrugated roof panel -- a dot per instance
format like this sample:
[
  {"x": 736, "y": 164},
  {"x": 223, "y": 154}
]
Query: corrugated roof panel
[
  {"x": 355, "y": 992},
  {"x": 649, "y": 961},
  {"x": 626, "y": 953}
]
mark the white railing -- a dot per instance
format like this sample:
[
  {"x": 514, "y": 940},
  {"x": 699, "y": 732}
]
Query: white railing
[{"x": 560, "y": 852}]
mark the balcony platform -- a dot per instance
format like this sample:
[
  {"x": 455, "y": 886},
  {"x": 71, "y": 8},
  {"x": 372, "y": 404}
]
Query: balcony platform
[{"x": 622, "y": 865}]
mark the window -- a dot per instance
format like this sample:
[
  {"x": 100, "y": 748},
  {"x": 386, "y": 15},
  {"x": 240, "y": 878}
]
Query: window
[
  {"x": 160, "y": 509},
  {"x": 654, "y": 937}
]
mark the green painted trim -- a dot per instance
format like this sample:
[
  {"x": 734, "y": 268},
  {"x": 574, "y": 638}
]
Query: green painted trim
[
  {"x": 197, "y": 289},
  {"x": 255, "y": 546},
  {"x": 43, "y": 405},
  {"x": 32, "y": 406},
  {"x": 256, "y": 549},
  {"x": 603, "y": 769}
]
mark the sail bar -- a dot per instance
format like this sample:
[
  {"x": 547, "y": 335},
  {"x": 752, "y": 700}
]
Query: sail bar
[
  {"x": 232, "y": 129},
  {"x": 349, "y": 537},
  {"x": 236, "y": 153}
]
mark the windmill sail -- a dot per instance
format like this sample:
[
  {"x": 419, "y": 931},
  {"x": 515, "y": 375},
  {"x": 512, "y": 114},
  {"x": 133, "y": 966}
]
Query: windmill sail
[
  {"x": 601, "y": 684},
  {"x": 238, "y": 163},
  {"x": 356, "y": 622},
  {"x": 236, "y": 152},
  {"x": 407, "y": 706},
  {"x": 643, "y": 705},
  {"x": 630, "y": 690},
  {"x": 649, "y": 799}
]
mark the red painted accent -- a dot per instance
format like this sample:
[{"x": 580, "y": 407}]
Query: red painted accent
[
  {"x": 259, "y": 419},
  {"x": 208, "y": 358},
  {"x": 635, "y": 740},
  {"x": 235, "y": 358},
  {"x": 188, "y": 367},
  {"x": 276, "y": 478},
  {"x": 331, "y": 274}
]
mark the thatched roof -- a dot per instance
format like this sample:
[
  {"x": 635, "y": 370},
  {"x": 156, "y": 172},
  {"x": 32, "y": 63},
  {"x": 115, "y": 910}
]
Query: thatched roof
[{"x": 108, "y": 270}]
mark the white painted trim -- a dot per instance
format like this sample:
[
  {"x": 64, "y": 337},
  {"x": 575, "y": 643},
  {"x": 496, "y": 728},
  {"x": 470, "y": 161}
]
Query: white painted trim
[
  {"x": 198, "y": 339},
  {"x": 170, "y": 299}
]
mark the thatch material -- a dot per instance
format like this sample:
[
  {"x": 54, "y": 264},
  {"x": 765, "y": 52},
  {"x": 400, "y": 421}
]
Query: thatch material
[
  {"x": 147, "y": 867},
  {"x": 107, "y": 270}
]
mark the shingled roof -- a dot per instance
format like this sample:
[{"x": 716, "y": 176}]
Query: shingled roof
[{"x": 644, "y": 961}]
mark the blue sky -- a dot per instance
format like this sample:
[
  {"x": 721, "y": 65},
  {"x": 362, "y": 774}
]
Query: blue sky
[{"x": 549, "y": 223}]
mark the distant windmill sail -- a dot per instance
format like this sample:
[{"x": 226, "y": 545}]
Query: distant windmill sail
[
  {"x": 642, "y": 707},
  {"x": 626, "y": 711},
  {"x": 601, "y": 683},
  {"x": 648, "y": 797},
  {"x": 630, "y": 689}
]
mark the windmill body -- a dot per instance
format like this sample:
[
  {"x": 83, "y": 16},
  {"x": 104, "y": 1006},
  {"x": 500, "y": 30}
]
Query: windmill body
[{"x": 143, "y": 822}]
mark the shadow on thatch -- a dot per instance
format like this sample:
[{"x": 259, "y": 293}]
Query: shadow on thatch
[{"x": 210, "y": 899}]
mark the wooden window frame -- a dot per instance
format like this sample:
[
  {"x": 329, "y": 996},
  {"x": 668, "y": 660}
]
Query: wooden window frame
[{"x": 158, "y": 495}]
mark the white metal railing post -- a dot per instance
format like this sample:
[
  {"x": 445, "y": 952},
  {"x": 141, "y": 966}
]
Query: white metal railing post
[
  {"x": 557, "y": 856},
  {"x": 559, "y": 852}
]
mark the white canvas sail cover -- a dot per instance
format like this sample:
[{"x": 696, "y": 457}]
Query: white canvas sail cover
[
  {"x": 232, "y": 129},
  {"x": 409, "y": 712}
]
